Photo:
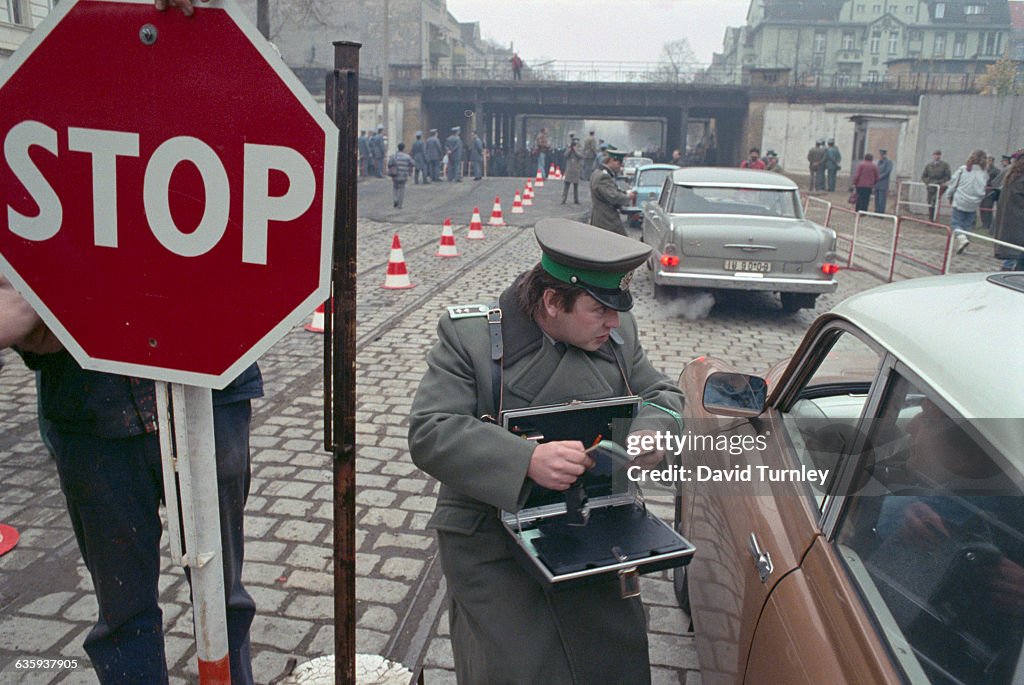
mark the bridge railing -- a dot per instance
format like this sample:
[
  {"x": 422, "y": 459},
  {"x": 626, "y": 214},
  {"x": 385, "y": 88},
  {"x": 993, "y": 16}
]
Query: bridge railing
[{"x": 696, "y": 74}]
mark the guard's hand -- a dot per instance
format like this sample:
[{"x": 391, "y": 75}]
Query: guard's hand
[
  {"x": 556, "y": 465},
  {"x": 184, "y": 5},
  {"x": 1006, "y": 582},
  {"x": 646, "y": 460}
]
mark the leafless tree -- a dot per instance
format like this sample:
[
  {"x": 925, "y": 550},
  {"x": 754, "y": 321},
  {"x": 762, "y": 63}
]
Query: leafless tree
[{"x": 677, "y": 63}]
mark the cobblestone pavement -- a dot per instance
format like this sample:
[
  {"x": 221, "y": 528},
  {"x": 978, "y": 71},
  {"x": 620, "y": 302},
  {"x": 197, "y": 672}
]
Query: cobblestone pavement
[{"x": 46, "y": 605}]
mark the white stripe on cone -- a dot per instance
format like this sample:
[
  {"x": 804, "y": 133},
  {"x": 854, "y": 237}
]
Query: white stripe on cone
[
  {"x": 447, "y": 247},
  {"x": 317, "y": 324},
  {"x": 496, "y": 217},
  {"x": 476, "y": 229},
  {"x": 528, "y": 194},
  {"x": 551, "y": 171},
  {"x": 397, "y": 277},
  {"x": 517, "y": 204},
  {"x": 539, "y": 181},
  {"x": 558, "y": 173}
]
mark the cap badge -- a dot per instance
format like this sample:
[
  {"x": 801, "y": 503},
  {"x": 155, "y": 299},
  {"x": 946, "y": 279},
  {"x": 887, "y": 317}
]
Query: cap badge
[{"x": 627, "y": 278}]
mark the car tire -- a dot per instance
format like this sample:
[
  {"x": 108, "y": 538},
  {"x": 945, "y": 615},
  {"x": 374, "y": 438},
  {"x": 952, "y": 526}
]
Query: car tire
[
  {"x": 681, "y": 587},
  {"x": 793, "y": 302}
]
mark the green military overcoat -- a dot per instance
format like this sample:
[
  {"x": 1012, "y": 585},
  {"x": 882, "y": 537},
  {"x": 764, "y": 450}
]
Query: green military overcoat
[
  {"x": 606, "y": 198},
  {"x": 505, "y": 627}
]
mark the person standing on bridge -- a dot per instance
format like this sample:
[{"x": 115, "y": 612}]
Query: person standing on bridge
[
  {"x": 454, "y": 147},
  {"x": 517, "y": 67},
  {"x": 605, "y": 195},
  {"x": 564, "y": 333},
  {"x": 435, "y": 152}
]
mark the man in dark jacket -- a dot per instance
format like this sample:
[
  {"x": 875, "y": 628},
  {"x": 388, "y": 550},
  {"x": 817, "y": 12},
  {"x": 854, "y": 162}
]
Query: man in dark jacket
[
  {"x": 107, "y": 451},
  {"x": 419, "y": 158},
  {"x": 378, "y": 150},
  {"x": 606, "y": 198},
  {"x": 476, "y": 157},
  {"x": 564, "y": 324},
  {"x": 453, "y": 145},
  {"x": 882, "y": 187},
  {"x": 364, "y": 153},
  {"x": 435, "y": 153},
  {"x": 936, "y": 173}
]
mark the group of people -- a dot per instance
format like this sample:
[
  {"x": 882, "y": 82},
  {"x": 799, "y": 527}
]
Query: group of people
[
  {"x": 824, "y": 161},
  {"x": 425, "y": 163},
  {"x": 770, "y": 161},
  {"x": 870, "y": 177}
]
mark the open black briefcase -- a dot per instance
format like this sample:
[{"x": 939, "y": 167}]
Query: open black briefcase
[{"x": 601, "y": 526}]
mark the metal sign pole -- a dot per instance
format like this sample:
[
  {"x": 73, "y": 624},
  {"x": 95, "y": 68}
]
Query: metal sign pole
[
  {"x": 193, "y": 517},
  {"x": 340, "y": 357}
]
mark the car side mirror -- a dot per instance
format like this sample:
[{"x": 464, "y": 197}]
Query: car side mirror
[{"x": 735, "y": 394}]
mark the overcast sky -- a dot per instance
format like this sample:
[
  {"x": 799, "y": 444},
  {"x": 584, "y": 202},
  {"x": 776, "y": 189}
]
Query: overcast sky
[{"x": 620, "y": 30}]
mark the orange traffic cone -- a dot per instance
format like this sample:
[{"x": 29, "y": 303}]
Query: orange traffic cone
[
  {"x": 447, "y": 247},
  {"x": 528, "y": 194},
  {"x": 539, "y": 181},
  {"x": 517, "y": 204},
  {"x": 558, "y": 173},
  {"x": 397, "y": 277},
  {"x": 551, "y": 170},
  {"x": 496, "y": 218},
  {"x": 476, "y": 229},
  {"x": 316, "y": 325}
]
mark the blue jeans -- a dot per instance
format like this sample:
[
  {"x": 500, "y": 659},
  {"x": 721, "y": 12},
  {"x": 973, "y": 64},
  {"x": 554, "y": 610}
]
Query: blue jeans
[
  {"x": 113, "y": 488},
  {"x": 540, "y": 165},
  {"x": 962, "y": 221}
]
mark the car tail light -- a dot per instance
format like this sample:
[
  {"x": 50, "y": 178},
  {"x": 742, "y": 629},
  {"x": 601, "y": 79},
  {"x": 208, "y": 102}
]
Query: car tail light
[
  {"x": 829, "y": 269},
  {"x": 669, "y": 260}
]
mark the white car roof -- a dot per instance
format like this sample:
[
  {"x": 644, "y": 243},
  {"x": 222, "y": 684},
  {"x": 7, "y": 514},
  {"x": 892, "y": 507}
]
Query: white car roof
[
  {"x": 726, "y": 177},
  {"x": 963, "y": 335}
]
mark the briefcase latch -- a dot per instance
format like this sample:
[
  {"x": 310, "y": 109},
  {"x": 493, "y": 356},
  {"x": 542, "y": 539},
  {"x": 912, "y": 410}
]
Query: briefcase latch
[{"x": 629, "y": 578}]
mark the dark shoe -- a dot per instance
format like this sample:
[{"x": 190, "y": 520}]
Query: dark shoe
[
  {"x": 575, "y": 202},
  {"x": 395, "y": 204}
]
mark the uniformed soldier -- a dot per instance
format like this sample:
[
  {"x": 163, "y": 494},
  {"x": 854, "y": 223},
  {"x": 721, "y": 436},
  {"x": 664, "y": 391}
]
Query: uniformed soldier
[
  {"x": 564, "y": 333},
  {"x": 605, "y": 195}
]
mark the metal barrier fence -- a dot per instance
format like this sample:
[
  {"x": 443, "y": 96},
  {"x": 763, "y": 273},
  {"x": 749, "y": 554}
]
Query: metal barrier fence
[
  {"x": 923, "y": 248},
  {"x": 817, "y": 210},
  {"x": 912, "y": 198}
]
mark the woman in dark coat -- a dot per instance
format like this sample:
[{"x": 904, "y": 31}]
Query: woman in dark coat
[{"x": 1010, "y": 215}]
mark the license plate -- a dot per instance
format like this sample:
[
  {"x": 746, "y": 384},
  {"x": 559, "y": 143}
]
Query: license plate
[{"x": 744, "y": 265}]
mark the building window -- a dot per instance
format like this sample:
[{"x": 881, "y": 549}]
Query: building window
[
  {"x": 916, "y": 34},
  {"x": 940, "y": 10},
  {"x": 876, "y": 9},
  {"x": 939, "y": 47},
  {"x": 894, "y": 42},
  {"x": 959, "y": 44},
  {"x": 860, "y": 9},
  {"x": 974, "y": 9},
  {"x": 11, "y": 11},
  {"x": 873, "y": 76},
  {"x": 909, "y": 10},
  {"x": 876, "y": 37},
  {"x": 992, "y": 43},
  {"x": 819, "y": 41},
  {"x": 847, "y": 40}
]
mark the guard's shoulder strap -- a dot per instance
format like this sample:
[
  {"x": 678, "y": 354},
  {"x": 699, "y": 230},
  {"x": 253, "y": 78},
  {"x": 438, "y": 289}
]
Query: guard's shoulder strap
[{"x": 466, "y": 311}]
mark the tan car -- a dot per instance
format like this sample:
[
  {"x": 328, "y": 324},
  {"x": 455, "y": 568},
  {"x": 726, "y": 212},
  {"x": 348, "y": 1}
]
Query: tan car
[{"x": 880, "y": 536}]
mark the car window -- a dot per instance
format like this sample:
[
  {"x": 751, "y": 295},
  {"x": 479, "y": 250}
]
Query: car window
[
  {"x": 745, "y": 201},
  {"x": 822, "y": 421},
  {"x": 666, "y": 194},
  {"x": 932, "y": 534},
  {"x": 652, "y": 177}
]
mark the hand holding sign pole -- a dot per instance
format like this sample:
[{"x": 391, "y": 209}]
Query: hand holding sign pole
[{"x": 168, "y": 211}]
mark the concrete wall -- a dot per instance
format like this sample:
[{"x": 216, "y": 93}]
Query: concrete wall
[
  {"x": 958, "y": 124},
  {"x": 791, "y": 129}
]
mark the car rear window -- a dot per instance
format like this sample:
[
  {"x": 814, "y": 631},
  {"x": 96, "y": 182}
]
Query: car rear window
[
  {"x": 743, "y": 201},
  {"x": 652, "y": 177}
]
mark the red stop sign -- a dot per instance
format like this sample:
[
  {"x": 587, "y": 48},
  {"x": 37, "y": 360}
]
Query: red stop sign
[{"x": 166, "y": 188}]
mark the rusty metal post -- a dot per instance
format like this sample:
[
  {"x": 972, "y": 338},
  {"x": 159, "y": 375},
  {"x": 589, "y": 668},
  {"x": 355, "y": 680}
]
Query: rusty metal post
[{"x": 340, "y": 357}]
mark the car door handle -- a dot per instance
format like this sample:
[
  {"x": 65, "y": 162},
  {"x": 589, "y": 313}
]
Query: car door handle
[{"x": 762, "y": 560}]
